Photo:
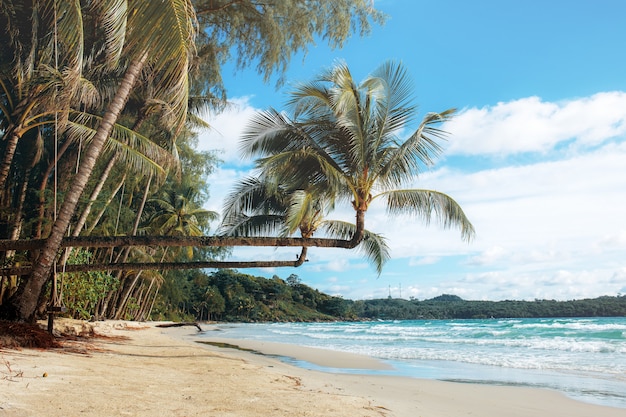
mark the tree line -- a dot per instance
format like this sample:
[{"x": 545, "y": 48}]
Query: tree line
[
  {"x": 232, "y": 296},
  {"x": 451, "y": 307}
]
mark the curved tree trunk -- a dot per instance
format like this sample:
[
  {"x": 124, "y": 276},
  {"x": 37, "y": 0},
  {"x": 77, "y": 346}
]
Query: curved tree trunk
[
  {"x": 129, "y": 288},
  {"x": 9, "y": 152},
  {"x": 108, "y": 202},
  {"x": 177, "y": 241},
  {"x": 22, "y": 305},
  {"x": 360, "y": 229},
  {"x": 145, "y": 301}
]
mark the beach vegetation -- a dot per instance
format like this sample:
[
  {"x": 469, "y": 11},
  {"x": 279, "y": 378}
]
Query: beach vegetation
[
  {"x": 96, "y": 99},
  {"x": 229, "y": 295},
  {"x": 243, "y": 297},
  {"x": 83, "y": 291}
]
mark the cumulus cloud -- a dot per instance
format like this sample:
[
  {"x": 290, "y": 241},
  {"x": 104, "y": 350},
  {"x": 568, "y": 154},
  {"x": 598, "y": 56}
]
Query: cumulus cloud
[{"x": 533, "y": 125}]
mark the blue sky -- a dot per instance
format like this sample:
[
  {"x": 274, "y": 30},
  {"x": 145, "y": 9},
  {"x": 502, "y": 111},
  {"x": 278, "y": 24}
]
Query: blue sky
[{"x": 536, "y": 155}]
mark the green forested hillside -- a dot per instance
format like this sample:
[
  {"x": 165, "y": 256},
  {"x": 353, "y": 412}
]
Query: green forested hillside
[
  {"x": 228, "y": 295},
  {"x": 437, "y": 308}
]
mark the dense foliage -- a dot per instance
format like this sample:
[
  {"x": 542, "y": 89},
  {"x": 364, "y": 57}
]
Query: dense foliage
[
  {"x": 229, "y": 295},
  {"x": 232, "y": 296}
]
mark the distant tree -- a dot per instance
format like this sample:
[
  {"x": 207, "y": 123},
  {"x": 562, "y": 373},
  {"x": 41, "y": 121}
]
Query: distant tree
[
  {"x": 447, "y": 297},
  {"x": 293, "y": 280}
]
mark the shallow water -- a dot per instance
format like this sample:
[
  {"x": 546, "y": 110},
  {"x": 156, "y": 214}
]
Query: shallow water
[{"x": 585, "y": 358}]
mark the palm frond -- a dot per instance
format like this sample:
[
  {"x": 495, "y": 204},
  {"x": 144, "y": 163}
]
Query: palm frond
[
  {"x": 165, "y": 32},
  {"x": 425, "y": 204},
  {"x": 406, "y": 161},
  {"x": 254, "y": 196},
  {"x": 113, "y": 18},
  {"x": 143, "y": 155},
  {"x": 373, "y": 246},
  {"x": 240, "y": 224}
]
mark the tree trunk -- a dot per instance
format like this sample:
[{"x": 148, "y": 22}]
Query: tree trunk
[
  {"x": 16, "y": 226},
  {"x": 23, "y": 304},
  {"x": 9, "y": 152},
  {"x": 42, "y": 188},
  {"x": 360, "y": 229},
  {"x": 156, "y": 294},
  {"x": 145, "y": 302},
  {"x": 94, "y": 195},
  {"x": 109, "y": 200},
  {"x": 159, "y": 266},
  {"x": 125, "y": 295}
]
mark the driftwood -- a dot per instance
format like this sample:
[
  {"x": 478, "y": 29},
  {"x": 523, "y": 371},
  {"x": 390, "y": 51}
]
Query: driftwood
[{"x": 187, "y": 323}]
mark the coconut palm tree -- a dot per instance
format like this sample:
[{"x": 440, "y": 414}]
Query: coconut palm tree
[
  {"x": 345, "y": 136},
  {"x": 139, "y": 34},
  {"x": 178, "y": 214},
  {"x": 33, "y": 88},
  {"x": 262, "y": 207}
]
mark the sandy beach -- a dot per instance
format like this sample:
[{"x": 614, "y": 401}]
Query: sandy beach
[{"x": 139, "y": 369}]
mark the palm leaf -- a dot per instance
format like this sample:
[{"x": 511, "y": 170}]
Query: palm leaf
[
  {"x": 141, "y": 154},
  {"x": 165, "y": 32},
  {"x": 425, "y": 204},
  {"x": 373, "y": 246},
  {"x": 257, "y": 225}
]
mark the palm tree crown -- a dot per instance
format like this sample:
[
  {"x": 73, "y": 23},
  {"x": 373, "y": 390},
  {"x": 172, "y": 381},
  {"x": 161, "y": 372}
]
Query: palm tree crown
[
  {"x": 345, "y": 137},
  {"x": 260, "y": 206}
]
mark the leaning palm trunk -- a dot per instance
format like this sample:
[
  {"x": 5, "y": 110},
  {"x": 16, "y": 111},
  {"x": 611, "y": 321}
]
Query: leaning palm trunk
[
  {"x": 125, "y": 295},
  {"x": 94, "y": 195},
  {"x": 7, "y": 160},
  {"x": 78, "y": 227},
  {"x": 42, "y": 188},
  {"x": 144, "y": 302},
  {"x": 99, "y": 215},
  {"x": 126, "y": 252},
  {"x": 123, "y": 255},
  {"x": 23, "y": 304}
]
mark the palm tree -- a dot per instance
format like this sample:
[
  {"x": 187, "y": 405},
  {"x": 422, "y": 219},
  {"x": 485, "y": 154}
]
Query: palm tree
[
  {"x": 33, "y": 87},
  {"x": 261, "y": 207},
  {"x": 139, "y": 34},
  {"x": 178, "y": 214},
  {"x": 345, "y": 136}
]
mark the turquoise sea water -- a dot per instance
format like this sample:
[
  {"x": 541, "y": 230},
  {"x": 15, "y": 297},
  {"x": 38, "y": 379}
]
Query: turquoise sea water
[{"x": 585, "y": 358}]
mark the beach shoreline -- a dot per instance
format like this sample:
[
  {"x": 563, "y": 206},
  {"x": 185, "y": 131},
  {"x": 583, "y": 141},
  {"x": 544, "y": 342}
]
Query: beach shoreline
[{"x": 140, "y": 369}]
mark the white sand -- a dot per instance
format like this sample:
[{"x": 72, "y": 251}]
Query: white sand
[{"x": 163, "y": 372}]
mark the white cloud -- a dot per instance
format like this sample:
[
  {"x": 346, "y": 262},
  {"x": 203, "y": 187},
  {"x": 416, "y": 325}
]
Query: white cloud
[
  {"x": 532, "y": 125},
  {"x": 226, "y": 129},
  {"x": 489, "y": 256}
]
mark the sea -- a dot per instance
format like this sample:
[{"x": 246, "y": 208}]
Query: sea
[{"x": 584, "y": 358}]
